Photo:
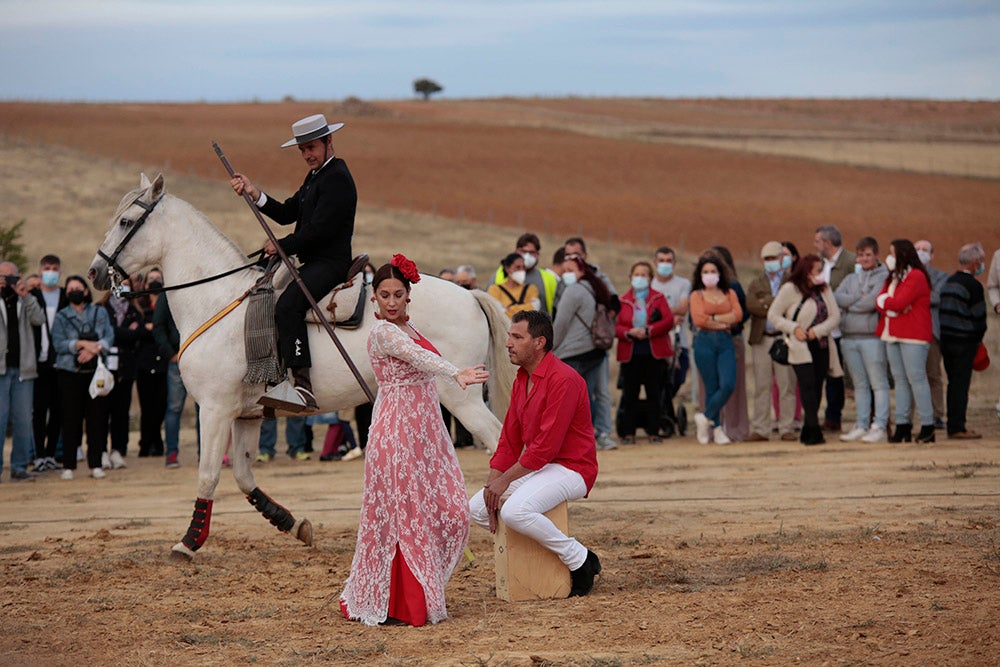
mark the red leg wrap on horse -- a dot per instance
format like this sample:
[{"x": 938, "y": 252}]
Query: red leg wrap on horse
[{"x": 200, "y": 523}]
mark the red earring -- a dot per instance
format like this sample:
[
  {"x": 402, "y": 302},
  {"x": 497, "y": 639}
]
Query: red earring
[
  {"x": 407, "y": 299},
  {"x": 372, "y": 299}
]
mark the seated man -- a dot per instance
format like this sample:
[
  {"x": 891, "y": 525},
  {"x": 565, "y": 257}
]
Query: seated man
[{"x": 546, "y": 454}]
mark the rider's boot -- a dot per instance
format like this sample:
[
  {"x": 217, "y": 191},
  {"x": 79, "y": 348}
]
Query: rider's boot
[{"x": 303, "y": 385}]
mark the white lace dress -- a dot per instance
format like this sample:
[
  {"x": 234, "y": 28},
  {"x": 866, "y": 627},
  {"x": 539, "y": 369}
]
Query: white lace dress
[{"x": 414, "y": 493}]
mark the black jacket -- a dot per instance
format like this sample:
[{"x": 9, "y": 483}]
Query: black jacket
[
  {"x": 323, "y": 210},
  {"x": 63, "y": 302},
  {"x": 126, "y": 338}
]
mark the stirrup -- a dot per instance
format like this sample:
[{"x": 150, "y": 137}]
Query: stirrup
[{"x": 285, "y": 397}]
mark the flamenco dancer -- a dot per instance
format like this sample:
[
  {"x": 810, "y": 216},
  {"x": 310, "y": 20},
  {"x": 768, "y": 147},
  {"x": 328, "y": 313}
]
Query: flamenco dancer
[{"x": 414, "y": 514}]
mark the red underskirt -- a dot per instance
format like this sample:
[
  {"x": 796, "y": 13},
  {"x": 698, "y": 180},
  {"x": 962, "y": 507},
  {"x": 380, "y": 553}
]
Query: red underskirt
[{"x": 406, "y": 596}]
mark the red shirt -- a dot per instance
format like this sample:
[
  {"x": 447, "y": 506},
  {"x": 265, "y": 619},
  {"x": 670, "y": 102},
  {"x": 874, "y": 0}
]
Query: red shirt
[{"x": 549, "y": 424}]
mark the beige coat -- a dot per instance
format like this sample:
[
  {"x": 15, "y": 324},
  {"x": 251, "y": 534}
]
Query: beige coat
[{"x": 781, "y": 311}]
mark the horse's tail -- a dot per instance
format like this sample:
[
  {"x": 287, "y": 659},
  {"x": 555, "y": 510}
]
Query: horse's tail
[{"x": 502, "y": 372}]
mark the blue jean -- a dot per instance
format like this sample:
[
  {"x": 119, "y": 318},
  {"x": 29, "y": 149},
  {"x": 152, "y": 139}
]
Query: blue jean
[
  {"x": 908, "y": 362},
  {"x": 867, "y": 363},
  {"x": 595, "y": 373},
  {"x": 17, "y": 400},
  {"x": 295, "y": 435},
  {"x": 176, "y": 394},
  {"x": 715, "y": 357}
]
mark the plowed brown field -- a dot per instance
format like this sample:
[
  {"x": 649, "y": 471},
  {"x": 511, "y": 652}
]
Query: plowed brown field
[{"x": 596, "y": 167}]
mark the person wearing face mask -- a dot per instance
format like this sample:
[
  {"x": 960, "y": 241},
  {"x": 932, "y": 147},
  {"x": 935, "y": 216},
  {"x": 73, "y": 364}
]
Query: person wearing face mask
[
  {"x": 676, "y": 289},
  {"x": 935, "y": 374},
  {"x": 512, "y": 292},
  {"x": 760, "y": 295},
  {"x": 46, "y": 422},
  {"x": 715, "y": 310},
  {"x": 80, "y": 333},
  {"x": 151, "y": 374},
  {"x": 19, "y": 312},
  {"x": 963, "y": 325},
  {"x": 573, "y": 343},
  {"x": 545, "y": 282},
  {"x": 807, "y": 314},
  {"x": 127, "y": 324},
  {"x": 905, "y": 326},
  {"x": 643, "y": 332},
  {"x": 864, "y": 353}
]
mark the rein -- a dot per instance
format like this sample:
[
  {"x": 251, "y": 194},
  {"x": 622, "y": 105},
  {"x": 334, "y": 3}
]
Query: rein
[{"x": 158, "y": 290}]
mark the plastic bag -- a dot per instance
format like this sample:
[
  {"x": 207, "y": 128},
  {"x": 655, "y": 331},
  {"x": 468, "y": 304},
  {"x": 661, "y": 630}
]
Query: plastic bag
[{"x": 103, "y": 381}]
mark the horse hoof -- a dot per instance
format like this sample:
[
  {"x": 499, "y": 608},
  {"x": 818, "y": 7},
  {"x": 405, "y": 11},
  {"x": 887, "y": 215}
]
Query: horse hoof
[
  {"x": 181, "y": 554},
  {"x": 305, "y": 532}
]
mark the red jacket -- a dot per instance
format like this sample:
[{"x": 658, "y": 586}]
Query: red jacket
[
  {"x": 659, "y": 330},
  {"x": 912, "y": 304}
]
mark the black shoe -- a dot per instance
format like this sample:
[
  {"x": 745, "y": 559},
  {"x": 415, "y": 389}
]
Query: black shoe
[
  {"x": 21, "y": 474},
  {"x": 939, "y": 425},
  {"x": 583, "y": 577},
  {"x": 902, "y": 433},
  {"x": 812, "y": 435},
  {"x": 926, "y": 433}
]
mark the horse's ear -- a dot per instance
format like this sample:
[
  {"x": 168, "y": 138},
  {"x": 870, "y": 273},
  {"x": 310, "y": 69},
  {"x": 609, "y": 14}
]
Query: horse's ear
[
  {"x": 143, "y": 181},
  {"x": 157, "y": 187}
]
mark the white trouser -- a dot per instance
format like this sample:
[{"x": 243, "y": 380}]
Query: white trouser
[{"x": 528, "y": 498}]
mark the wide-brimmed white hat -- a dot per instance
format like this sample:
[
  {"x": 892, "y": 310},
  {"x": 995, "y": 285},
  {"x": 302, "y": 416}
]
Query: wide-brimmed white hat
[{"x": 309, "y": 128}]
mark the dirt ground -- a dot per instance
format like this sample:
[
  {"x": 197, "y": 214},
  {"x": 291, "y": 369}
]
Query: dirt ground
[{"x": 768, "y": 553}]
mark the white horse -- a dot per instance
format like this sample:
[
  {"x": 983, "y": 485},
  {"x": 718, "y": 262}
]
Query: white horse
[{"x": 154, "y": 228}]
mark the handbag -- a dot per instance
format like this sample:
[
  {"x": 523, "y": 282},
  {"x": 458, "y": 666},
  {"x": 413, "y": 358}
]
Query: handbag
[
  {"x": 779, "y": 348},
  {"x": 103, "y": 381}
]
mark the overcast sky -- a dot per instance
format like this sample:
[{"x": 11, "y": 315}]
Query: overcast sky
[{"x": 222, "y": 50}]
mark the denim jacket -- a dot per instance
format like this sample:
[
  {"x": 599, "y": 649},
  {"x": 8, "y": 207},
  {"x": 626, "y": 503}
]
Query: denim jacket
[{"x": 68, "y": 327}]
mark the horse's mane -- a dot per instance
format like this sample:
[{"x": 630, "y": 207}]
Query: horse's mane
[{"x": 219, "y": 240}]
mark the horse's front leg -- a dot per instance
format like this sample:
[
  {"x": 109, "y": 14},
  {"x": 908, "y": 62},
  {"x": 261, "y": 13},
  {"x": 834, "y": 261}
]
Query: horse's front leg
[
  {"x": 215, "y": 431},
  {"x": 246, "y": 435}
]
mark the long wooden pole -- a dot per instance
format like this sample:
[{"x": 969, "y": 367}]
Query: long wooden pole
[{"x": 298, "y": 279}]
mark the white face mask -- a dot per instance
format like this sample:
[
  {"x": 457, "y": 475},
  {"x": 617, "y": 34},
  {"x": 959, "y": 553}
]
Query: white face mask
[
  {"x": 517, "y": 276},
  {"x": 529, "y": 261},
  {"x": 890, "y": 262},
  {"x": 665, "y": 269},
  {"x": 819, "y": 280},
  {"x": 925, "y": 257},
  {"x": 858, "y": 268},
  {"x": 569, "y": 278},
  {"x": 710, "y": 279}
]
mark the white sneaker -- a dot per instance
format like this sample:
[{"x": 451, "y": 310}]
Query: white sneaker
[
  {"x": 98, "y": 473},
  {"x": 720, "y": 437},
  {"x": 875, "y": 434},
  {"x": 67, "y": 474},
  {"x": 853, "y": 435},
  {"x": 703, "y": 427},
  {"x": 105, "y": 461},
  {"x": 352, "y": 454},
  {"x": 117, "y": 460}
]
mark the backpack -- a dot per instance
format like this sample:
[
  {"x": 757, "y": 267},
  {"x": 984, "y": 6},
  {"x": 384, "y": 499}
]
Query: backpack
[{"x": 602, "y": 328}]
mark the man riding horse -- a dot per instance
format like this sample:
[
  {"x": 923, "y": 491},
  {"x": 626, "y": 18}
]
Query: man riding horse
[{"x": 323, "y": 209}]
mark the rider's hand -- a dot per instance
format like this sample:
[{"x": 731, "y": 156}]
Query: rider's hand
[{"x": 243, "y": 184}]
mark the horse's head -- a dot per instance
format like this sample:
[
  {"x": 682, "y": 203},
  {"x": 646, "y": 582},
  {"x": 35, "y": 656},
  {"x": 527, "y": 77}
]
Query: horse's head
[{"x": 125, "y": 250}]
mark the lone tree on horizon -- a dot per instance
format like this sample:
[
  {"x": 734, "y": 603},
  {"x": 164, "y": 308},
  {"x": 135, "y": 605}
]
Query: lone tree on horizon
[{"x": 426, "y": 87}]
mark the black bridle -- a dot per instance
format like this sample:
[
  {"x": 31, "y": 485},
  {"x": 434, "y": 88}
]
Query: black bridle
[
  {"x": 113, "y": 268},
  {"x": 118, "y": 274}
]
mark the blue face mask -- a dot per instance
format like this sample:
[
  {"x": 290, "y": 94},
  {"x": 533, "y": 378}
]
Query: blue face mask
[
  {"x": 640, "y": 283},
  {"x": 665, "y": 269},
  {"x": 50, "y": 278},
  {"x": 786, "y": 262},
  {"x": 858, "y": 268},
  {"x": 980, "y": 269},
  {"x": 569, "y": 278},
  {"x": 772, "y": 266}
]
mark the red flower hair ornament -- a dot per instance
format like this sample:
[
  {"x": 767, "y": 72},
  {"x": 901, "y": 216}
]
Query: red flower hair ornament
[{"x": 406, "y": 267}]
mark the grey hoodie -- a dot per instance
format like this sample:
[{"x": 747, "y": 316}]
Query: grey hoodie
[
  {"x": 571, "y": 336},
  {"x": 856, "y": 298}
]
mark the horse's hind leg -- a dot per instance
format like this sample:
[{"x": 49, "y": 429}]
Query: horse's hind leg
[{"x": 246, "y": 433}]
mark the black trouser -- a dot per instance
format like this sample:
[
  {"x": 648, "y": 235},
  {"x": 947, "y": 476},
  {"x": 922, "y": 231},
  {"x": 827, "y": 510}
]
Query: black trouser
[
  {"x": 76, "y": 406},
  {"x": 811, "y": 377},
  {"x": 642, "y": 371},
  {"x": 958, "y": 355},
  {"x": 153, "y": 406},
  {"x": 363, "y": 416},
  {"x": 292, "y": 306},
  {"x": 119, "y": 403},
  {"x": 834, "y": 393},
  {"x": 46, "y": 421}
]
